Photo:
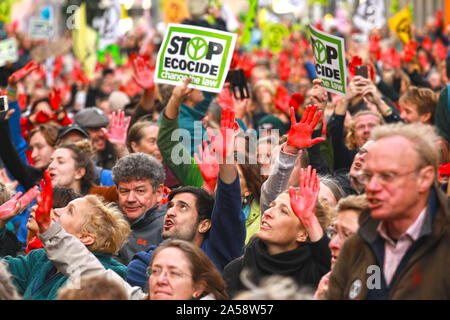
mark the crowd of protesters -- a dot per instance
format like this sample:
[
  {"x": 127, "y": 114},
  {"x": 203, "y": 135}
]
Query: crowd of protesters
[{"x": 291, "y": 193}]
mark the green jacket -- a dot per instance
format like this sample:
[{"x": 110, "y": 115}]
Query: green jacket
[
  {"x": 253, "y": 221},
  {"x": 186, "y": 172},
  {"x": 422, "y": 274},
  {"x": 36, "y": 279}
]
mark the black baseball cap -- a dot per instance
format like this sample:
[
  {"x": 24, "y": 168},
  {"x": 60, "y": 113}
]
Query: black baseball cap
[{"x": 69, "y": 128}]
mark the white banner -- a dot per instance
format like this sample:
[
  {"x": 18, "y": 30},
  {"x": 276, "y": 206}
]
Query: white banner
[
  {"x": 8, "y": 51},
  {"x": 370, "y": 15},
  {"x": 108, "y": 25},
  {"x": 40, "y": 28}
]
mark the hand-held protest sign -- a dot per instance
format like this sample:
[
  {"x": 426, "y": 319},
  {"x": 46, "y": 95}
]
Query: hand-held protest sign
[
  {"x": 8, "y": 51},
  {"x": 329, "y": 58},
  {"x": 200, "y": 53}
]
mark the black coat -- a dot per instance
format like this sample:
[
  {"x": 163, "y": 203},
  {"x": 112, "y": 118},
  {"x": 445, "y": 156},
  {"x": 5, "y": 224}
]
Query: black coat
[{"x": 306, "y": 264}]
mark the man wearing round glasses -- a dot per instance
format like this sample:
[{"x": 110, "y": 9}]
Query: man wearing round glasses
[{"x": 401, "y": 248}]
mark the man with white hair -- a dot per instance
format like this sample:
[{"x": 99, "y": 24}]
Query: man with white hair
[{"x": 401, "y": 248}]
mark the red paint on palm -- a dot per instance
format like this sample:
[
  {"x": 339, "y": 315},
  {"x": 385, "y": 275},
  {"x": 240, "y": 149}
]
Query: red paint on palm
[
  {"x": 55, "y": 98},
  {"x": 303, "y": 204},
  {"x": 45, "y": 204},
  {"x": 427, "y": 44},
  {"x": 296, "y": 100},
  {"x": 57, "y": 66},
  {"x": 117, "y": 133},
  {"x": 409, "y": 50},
  {"x": 208, "y": 163},
  {"x": 42, "y": 117},
  {"x": 282, "y": 99},
  {"x": 9, "y": 205},
  {"x": 300, "y": 133},
  {"x": 225, "y": 99},
  {"x": 143, "y": 74},
  {"x": 22, "y": 73},
  {"x": 441, "y": 50}
]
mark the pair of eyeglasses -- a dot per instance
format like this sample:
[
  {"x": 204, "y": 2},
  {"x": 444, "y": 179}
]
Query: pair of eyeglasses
[
  {"x": 332, "y": 231},
  {"x": 171, "y": 274},
  {"x": 383, "y": 177}
]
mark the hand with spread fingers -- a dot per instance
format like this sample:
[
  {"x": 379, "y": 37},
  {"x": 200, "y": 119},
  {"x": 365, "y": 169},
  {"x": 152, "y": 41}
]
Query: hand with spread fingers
[
  {"x": 55, "y": 99},
  {"x": 117, "y": 133},
  {"x": 143, "y": 74},
  {"x": 299, "y": 136},
  {"x": 22, "y": 73},
  {"x": 45, "y": 203},
  {"x": 304, "y": 203},
  {"x": 208, "y": 165},
  {"x": 16, "y": 204},
  {"x": 223, "y": 143}
]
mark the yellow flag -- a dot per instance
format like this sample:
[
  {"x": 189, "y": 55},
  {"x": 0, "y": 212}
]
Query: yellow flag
[
  {"x": 85, "y": 43},
  {"x": 400, "y": 23}
]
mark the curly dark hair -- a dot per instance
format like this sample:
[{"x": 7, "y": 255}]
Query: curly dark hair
[{"x": 138, "y": 166}]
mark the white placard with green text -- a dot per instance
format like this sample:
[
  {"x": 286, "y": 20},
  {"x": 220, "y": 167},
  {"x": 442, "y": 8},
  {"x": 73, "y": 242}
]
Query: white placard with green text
[
  {"x": 329, "y": 58},
  {"x": 200, "y": 53}
]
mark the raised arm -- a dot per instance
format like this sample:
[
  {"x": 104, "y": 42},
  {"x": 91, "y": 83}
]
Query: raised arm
[
  {"x": 186, "y": 171},
  {"x": 227, "y": 234},
  {"x": 304, "y": 206},
  {"x": 299, "y": 137},
  {"x": 371, "y": 95},
  {"x": 25, "y": 174},
  {"x": 117, "y": 133},
  {"x": 14, "y": 121},
  {"x": 69, "y": 255}
]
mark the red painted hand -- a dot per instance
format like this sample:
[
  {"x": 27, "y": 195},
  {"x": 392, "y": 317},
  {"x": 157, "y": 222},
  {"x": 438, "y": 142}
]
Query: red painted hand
[
  {"x": 143, "y": 75},
  {"x": 300, "y": 133},
  {"x": 223, "y": 143},
  {"x": 17, "y": 203},
  {"x": 22, "y": 73},
  {"x": 117, "y": 133},
  {"x": 304, "y": 203},
  {"x": 32, "y": 193},
  {"x": 45, "y": 203},
  {"x": 208, "y": 165},
  {"x": 55, "y": 98},
  {"x": 43, "y": 117},
  {"x": 9, "y": 206}
]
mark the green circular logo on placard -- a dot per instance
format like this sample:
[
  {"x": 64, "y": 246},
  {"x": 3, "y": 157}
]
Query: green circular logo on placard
[
  {"x": 320, "y": 52},
  {"x": 197, "y": 48}
]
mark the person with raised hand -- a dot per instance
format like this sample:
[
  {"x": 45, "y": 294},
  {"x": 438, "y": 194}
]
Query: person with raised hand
[
  {"x": 291, "y": 241},
  {"x": 143, "y": 74},
  {"x": 85, "y": 219},
  {"x": 299, "y": 138},
  {"x": 303, "y": 204},
  {"x": 10, "y": 207},
  {"x": 217, "y": 226},
  {"x": 16, "y": 204},
  {"x": 208, "y": 165},
  {"x": 117, "y": 133},
  {"x": 183, "y": 166}
]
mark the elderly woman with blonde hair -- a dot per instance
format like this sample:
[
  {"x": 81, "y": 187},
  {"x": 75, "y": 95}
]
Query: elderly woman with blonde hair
[{"x": 98, "y": 225}]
